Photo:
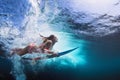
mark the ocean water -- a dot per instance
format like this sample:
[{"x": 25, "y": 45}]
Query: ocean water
[{"x": 97, "y": 57}]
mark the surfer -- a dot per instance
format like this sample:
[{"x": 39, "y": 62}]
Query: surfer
[
  {"x": 48, "y": 43},
  {"x": 45, "y": 47}
]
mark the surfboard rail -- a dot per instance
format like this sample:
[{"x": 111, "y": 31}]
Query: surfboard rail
[{"x": 51, "y": 56}]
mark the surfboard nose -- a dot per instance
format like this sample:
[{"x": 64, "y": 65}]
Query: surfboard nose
[{"x": 67, "y": 51}]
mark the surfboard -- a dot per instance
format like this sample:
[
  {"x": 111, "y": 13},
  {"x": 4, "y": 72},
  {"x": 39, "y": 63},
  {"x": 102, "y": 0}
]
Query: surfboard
[{"x": 52, "y": 56}]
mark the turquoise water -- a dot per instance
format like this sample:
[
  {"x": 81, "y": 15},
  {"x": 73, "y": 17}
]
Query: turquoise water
[{"x": 97, "y": 58}]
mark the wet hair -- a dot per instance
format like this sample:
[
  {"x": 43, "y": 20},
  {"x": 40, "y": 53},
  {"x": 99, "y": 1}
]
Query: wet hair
[{"x": 51, "y": 37}]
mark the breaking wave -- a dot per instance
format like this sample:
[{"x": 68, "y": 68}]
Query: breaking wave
[{"x": 21, "y": 25}]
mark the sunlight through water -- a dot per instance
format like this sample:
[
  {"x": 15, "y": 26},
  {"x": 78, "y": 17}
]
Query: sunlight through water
[{"x": 95, "y": 6}]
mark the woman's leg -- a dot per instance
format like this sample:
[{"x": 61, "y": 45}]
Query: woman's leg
[
  {"x": 20, "y": 51},
  {"x": 15, "y": 50}
]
